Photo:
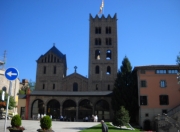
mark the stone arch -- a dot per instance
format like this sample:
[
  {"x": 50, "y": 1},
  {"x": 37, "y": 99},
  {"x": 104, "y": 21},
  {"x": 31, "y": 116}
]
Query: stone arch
[
  {"x": 102, "y": 110},
  {"x": 69, "y": 110},
  {"x": 53, "y": 108},
  {"x": 37, "y": 107},
  {"x": 49, "y": 99},
  {"x": 147, "y": 125},
  {"x": 85, "y": 109}
]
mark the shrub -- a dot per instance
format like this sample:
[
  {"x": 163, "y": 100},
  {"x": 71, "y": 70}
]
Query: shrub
[
  {"x": 46, "y": 123},
  {"x": 16, "y": 121},
  {"x": 121, "y": 117}
]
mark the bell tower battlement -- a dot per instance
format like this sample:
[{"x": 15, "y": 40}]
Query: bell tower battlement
[{"x": 103, "y": 18}]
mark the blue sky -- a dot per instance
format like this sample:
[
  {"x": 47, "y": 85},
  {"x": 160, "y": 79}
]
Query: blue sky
[{"x": 148, "y": 31}]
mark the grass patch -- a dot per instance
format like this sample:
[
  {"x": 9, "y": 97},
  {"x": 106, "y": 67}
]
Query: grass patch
[{"x": 97, "y": 128}]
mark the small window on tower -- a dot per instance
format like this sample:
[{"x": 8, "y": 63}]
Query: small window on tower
[
  {"x": 51, "y": 58},
  {"x": 97, "y": 70},
  {"x": 53, "y": 86},
  {"x": 108, "y": 30},
  {"x": 97, "y": 30},
  {"x": 108, "y": 87},
  {"x": 54, "y": 70},
  {"x": 97, "y": 41},
  {"x": 108, "y": 70},
  {"x": 96, "y": 86},
  {"x": 44, "y": 70},
  {"x": 108, "y": 41}
]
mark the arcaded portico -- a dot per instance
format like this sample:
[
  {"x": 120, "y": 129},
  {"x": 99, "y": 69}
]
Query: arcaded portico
[{"x": 73, "y": 108}]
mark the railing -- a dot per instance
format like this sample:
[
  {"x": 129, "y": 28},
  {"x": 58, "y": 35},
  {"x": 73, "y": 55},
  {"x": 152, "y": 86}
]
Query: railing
[
  {"x": 173, "y": 111},
  {"x": 168, "y": 119}
]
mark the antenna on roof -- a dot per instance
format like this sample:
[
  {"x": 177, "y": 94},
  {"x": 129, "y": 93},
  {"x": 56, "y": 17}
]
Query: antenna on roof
[
  {"x": 2, "y": 62},
  {"x": 53, "y": 44}
]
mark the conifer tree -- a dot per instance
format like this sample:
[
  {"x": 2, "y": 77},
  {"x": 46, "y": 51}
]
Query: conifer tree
[
  {"x": 121, "y": 117},
  {"x": 125, "y": 92}
]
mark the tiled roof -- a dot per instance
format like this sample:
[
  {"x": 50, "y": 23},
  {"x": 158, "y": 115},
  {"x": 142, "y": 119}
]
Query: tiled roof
[
  {"x": 55, "y": 51},
  {"x": 71, "y": 93}
]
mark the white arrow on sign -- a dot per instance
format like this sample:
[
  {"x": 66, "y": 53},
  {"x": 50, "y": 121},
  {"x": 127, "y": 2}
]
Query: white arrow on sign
[{"x": 11, "y": 74}]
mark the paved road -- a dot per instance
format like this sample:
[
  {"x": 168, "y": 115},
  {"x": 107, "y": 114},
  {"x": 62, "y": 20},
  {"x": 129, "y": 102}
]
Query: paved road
[{"x": 57, "y": 126}]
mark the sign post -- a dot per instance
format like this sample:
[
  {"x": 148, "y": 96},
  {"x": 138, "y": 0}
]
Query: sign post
[{"x": 11, "y": 74}]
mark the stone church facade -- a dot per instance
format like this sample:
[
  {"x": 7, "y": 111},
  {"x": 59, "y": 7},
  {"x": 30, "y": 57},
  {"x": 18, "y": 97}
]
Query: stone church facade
[{"x": 76, "y": 96}]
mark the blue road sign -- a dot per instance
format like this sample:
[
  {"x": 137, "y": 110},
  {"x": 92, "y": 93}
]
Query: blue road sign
[{"x": 11, "y": 73}]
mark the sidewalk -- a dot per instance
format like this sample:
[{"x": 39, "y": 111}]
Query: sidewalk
[{"x": 57, "y": 126}]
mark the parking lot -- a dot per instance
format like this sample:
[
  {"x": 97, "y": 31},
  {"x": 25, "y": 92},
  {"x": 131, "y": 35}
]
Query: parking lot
[{"x": 57, "y": 126}]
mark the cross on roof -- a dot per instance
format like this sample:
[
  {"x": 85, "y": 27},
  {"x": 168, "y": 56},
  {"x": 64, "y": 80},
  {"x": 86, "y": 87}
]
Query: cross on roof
[{"x": 75, "y": 68}]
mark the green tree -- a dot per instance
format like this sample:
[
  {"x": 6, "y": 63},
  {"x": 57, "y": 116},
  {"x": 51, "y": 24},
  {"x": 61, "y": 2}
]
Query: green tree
[
  {"x": 178, "y": 59},
  {"x": 24, "y": 88},
  {"x": 22, "y": 91},
  {"x": 125, "y": 92},
  {"x": 12, "y": 102},
  {"x": 121, "y": 117}
]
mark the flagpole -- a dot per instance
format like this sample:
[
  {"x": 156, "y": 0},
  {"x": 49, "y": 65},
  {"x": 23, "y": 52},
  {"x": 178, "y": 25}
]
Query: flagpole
[{"x": 103, "y": 6}]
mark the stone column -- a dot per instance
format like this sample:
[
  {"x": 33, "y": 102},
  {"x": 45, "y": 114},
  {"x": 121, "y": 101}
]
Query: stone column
[
  {"x": 45, "y": 108},
  {"x": 93, "y": 112},
  {"x": 77, "y": 108},
  {"x": 61, "y": 111}
]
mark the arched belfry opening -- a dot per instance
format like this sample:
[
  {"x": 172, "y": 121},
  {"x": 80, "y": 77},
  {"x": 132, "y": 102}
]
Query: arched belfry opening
[
  {"x": 97, "y": 55},
  {"x": 108, "y": 72},
  {"x": 108, "y": 55}
]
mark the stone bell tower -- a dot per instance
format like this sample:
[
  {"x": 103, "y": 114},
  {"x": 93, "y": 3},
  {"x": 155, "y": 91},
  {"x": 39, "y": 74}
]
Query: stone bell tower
[{"x": 102, "y": 53}]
